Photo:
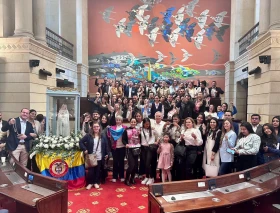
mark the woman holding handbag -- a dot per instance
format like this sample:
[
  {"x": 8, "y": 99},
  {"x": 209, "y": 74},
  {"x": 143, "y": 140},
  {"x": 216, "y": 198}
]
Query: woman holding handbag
[
  {"x": 94, "y": 147},
  {"x": 211, "y": 157},
  {"x": 131, "y": 137}
]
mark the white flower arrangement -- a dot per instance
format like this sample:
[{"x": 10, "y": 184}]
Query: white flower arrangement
[{"x": 50, "y": 145}]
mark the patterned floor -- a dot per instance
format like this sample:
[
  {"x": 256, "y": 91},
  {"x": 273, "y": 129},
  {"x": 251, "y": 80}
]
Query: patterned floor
[{"x": 110, "y": 198}]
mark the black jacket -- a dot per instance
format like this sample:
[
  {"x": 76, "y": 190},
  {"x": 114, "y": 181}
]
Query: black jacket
[
  {"x": 219, "y": 91},
  {"x": 12, "y": 140}
]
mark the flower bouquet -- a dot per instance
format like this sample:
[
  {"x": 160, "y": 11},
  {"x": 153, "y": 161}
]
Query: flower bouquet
[{"x": 53, "y": 145}]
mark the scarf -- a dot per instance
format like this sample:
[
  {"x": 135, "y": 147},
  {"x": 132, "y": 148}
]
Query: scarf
[{"x": 116, "y": 134}]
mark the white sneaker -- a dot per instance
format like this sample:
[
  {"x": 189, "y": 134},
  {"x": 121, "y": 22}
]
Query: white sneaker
[
  {"x": 144, "y": 181},
  {"x": 136, "y": 176},
  {"x": 89, "y": 186},
  {"x": 122, "y": 179},
  {"x": 96, "y": 186},
  {"x": 140, "y": 177},
  {"x": 114, "y": 180},
  {"x": 150, "y": 181}
]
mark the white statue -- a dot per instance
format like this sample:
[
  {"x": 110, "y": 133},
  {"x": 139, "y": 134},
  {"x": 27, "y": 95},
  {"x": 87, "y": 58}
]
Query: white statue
[{"x": 63, "y": 124}]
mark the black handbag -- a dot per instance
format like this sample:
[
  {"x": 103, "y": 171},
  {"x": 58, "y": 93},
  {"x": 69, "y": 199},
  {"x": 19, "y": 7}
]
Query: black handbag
[
  {"x": 180, "y": 150},
  {"x": 136, "y": 151},
  {"x": 153, "y": 147}
]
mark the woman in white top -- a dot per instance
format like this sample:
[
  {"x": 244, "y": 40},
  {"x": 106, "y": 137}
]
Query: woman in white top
[
  {"x": 192, "y": 139},
  {"x": 211, "y": 112},
  {"x": 228, "y": 141},
  {"x": 247, "y": 147},
  {"x": 148, "y": 158},
  {"x": 211, "y": 150}
]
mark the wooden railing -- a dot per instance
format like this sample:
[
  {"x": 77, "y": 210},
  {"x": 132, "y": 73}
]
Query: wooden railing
[
  {"x": 248, "y": 39},
  {"x": 61, "y": 45}
]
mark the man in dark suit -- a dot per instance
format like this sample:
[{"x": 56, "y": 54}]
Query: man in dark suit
[
  {"x": 255, "y": 122},
  {"x": 215, "y": 91},
  {"x": 130, "y": 90},
  {"x": 2, "y": 137},
  {"x": 18, "y": 141}
]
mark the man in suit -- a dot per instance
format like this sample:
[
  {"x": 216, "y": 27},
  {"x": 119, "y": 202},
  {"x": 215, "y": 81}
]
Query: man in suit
[
  {"x": 255, "y": 122},
  {"x": 130, "y": 90},
  {"x": 18, "y": 141},
  {"x": 215, "y": 91},
  {"x": 2, "y": 137}
]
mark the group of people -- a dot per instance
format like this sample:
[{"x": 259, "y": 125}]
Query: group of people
[
  {"x": 175, "y": 129},
  {"x": 194, "y": 141}
]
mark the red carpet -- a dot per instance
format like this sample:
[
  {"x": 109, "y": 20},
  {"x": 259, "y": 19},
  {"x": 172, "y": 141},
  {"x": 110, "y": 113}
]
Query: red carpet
[{"x": 110, "y": 198}]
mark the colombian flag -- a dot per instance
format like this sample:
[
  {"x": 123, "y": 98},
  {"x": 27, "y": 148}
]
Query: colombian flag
[{"x": 71, "y": 169}]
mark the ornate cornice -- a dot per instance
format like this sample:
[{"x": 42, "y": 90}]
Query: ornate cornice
[
  {"x": 27, "y": 45},
  {"x": 268, "y": 40}
]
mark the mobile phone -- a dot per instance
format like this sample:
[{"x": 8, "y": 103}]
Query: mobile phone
[{"x": 230, "y": 151}]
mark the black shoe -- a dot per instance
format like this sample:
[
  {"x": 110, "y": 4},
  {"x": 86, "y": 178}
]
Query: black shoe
[
  {"x": 132, "y": 181},
  {"x": 126, "y": 182}
]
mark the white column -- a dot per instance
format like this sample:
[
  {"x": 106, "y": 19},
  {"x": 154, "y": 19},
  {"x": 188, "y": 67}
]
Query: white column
[
  {"x": 23, "y": 18},
  {"x": 53, "y": 17},
  {"x": 39, "y": 20},
  {"x": 264, "y": 16},
  {"x": 79, "y": 30},
  {"x": 274, "y": 15}
]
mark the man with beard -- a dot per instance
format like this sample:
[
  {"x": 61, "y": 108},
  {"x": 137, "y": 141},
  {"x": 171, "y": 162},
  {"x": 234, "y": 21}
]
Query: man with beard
[
  {"x": 185, "y": 107},
  {"x": 96, "y": 117}
]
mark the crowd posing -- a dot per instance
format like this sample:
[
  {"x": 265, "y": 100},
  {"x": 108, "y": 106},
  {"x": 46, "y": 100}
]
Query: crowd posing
[{"x": 181, "y": 129}]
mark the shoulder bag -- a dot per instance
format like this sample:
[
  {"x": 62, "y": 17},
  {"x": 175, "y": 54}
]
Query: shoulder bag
[{"x": 91, "y": 159}]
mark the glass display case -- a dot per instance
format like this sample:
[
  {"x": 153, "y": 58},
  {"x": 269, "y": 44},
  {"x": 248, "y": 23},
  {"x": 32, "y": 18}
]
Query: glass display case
[{"x": 63, "y": 111}]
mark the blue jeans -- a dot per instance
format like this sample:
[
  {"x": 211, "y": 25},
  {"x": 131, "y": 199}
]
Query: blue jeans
[{"x": 225, "y": 168}]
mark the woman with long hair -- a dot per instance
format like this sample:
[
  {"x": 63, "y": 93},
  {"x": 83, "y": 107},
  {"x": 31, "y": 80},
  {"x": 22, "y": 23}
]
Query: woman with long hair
[
  {"x": 173, "y": 130},
  {"x": 211, "y": 150},
  {"x": 94, "y": 143},
  {"x": 131, "y": 137},
  {"x": 268, "y": 140},
  {"x": 276, "y": 126},
  {"x": 201, "y": 126},
  {"x": 211, "y": 112},
  {"x": 247, "y": 147},
  {"x": 148, "y": 158},
  {"x": 117, "y": 145},
  {"x": 192, "y": 139},
  {"x": 139, "y": 120},
  {"x": 228, "y": 141}
]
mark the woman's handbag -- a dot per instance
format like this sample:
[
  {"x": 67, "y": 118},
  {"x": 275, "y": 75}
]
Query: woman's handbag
[
  {"x": 153, "y": 147},
  {"x": 136, "y": 151},
  {"x": 91, "y": 159},
  {"x": 180, "y": 151},
  {"x": 211, "y": 170}
]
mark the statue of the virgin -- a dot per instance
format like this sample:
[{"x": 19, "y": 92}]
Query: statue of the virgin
[{"x": 63, "y": 124}]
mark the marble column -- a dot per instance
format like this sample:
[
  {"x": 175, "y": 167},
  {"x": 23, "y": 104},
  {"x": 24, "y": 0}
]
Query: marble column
[
  {"x": 23, "y": 18},
  {"x": 39, "y": 20},
  {"x": 264, "y": 16},
  {"x": 274, "y": 15}
]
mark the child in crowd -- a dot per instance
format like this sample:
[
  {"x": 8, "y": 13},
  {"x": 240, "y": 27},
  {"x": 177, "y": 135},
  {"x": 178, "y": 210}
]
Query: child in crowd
[{"x": 166, "y": 158}]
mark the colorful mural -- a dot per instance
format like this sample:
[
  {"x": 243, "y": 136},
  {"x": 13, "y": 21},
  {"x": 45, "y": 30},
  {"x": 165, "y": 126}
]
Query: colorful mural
[{"x": 179, "y": 39}]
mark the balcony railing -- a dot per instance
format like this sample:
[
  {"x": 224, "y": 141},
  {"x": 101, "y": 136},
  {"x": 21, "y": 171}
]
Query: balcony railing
[
  {"x": 61, "y": 45},
  {"x": 249, "y": 38}
]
